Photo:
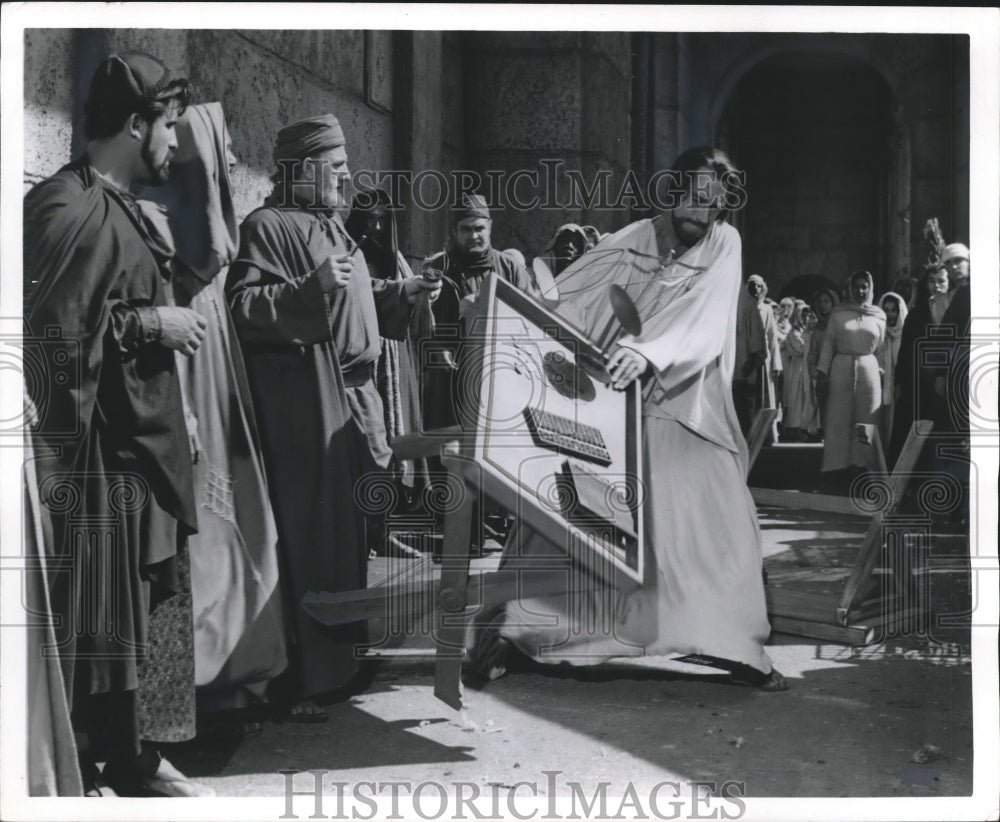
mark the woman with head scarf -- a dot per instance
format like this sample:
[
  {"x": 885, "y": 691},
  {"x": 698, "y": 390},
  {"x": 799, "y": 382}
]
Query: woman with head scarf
[
  {"x": 372, "y": 225},
  {"x": 894, "y": 307},
  {"x": 849, "y": 373},
  {"x": 568, "y": 244},
  {"x": 757, "y": 289},
  {"x": 783, "y": 317},
  {"x": 240, "y": 632},
  {"x": 801, "y": 414},
  {"x": 823, "y": 303},
  {"x": 782, "y": 325}
]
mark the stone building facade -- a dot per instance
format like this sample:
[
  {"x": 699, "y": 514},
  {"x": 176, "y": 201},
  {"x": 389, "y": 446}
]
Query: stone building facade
[{"x": 850, "y": 142}]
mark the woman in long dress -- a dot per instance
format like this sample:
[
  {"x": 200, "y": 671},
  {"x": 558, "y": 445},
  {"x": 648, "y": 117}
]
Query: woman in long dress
[
  {"x": 894, "y": 307},
  {"x": 801, "y": 414},
  {"x": 849, "y": 373},
  {"x": 768, "y": 396},
  {"x": 239, "y": 627},
  {"x": 823, "y": 303}
]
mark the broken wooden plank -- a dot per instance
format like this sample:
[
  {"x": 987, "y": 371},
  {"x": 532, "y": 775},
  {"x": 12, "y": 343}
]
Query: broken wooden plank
[
  {"x": 759, "y": 429},
  {"x": 804, "y": 501},
  {"x": 841, "y": 634}
]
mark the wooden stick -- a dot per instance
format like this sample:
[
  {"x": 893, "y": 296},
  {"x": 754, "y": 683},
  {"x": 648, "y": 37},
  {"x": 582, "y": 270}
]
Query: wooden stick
[{"x": 762, "y": 422}]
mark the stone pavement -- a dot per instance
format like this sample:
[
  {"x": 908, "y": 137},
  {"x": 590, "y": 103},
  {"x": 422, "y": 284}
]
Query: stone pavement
[{"x": 891, "y": 719}]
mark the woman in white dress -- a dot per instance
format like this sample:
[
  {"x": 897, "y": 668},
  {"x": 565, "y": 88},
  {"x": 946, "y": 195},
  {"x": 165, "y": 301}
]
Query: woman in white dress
[{"x": 849, "y": 374}]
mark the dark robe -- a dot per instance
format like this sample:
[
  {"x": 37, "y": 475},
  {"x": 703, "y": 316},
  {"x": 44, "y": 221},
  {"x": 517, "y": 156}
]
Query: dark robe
[
  {"x": 113, "y": 462},
  {"x": 914, "y": 380},
  {"x": 398, "y": 375},
  {"x": 953, "y": 407},
  {"x": 299, "y": 345},
  {"x": 928, "y": 351},
  {"x": 463, "y": 277}
]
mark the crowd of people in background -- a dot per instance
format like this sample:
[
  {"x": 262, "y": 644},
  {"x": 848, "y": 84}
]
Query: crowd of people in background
[
  {"x": 844, "y": 358},
  {"x": 250, "y": 378}
]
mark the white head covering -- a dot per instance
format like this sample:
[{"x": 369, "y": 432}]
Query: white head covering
[
  {"x": 954, "y": 251},
  {"x": 897, "y": 329}
]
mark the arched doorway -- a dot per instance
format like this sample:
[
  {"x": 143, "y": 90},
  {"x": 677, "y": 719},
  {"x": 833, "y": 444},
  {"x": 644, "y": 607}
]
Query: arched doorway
[{"x": 818, "y": 136}]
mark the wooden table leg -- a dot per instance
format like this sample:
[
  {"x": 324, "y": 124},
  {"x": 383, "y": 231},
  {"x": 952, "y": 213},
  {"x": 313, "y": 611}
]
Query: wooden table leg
[{"x": 450, "y": 617}]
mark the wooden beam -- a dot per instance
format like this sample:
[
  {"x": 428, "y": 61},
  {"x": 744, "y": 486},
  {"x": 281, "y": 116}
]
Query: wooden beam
[
  {"x": 812, "y": 607},
  {"x": 449, "y": 628},
  {"x": 841, "y": 634},
  {"x": 871, "y": 550},
  {"x": 425, "y": 444},
  {"x": 486, "y": 590},
  {"x": 868, "y": 435},
  {"x": 805, "y": 501},
  {"x": 759, "y": 429},
  {"x": 907, "y": 459}
]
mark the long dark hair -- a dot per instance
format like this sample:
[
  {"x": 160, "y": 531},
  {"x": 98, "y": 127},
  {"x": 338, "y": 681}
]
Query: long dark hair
[{"x": 709, "y": 158}]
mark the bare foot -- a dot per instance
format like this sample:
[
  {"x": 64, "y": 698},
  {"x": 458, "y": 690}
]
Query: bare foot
[
  {"x": 774, "y": 682},
  {"x": 171, "y": 782}
]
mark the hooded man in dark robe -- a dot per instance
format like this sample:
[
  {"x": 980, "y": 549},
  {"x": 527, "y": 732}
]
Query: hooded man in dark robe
[
  {"x": 372, "y": 224},
  {"x": 311, "y": 319},
  {"x": 113, "y": 460}
]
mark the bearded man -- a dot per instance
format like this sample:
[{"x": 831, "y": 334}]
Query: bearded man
[
  {"x": 311, "y": 318},
  {"x": 702, "y": 594},
  {"x": 114, "y": 467},
  {"x": 466, "y": 263}
]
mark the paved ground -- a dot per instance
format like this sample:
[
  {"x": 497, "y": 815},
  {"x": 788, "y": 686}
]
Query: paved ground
[
  {"x": 891, "y": 719},
  {"x": 851, "y": 725}
]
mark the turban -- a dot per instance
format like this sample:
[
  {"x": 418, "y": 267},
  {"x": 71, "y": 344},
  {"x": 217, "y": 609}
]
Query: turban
[
  {"x": 307, "y": 138},
  {"x": 473, "y": 205},
  {"x": 126, "y": 82},
  {"x": 954, "y": 251}
]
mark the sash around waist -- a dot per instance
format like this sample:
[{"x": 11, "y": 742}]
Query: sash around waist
[{"x": 357, "y": 375}]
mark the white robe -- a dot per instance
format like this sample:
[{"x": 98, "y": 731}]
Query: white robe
[{"x": 702, "y": 591}]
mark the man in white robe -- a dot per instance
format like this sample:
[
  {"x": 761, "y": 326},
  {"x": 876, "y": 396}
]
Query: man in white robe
[{"x": 703, "y": 592}]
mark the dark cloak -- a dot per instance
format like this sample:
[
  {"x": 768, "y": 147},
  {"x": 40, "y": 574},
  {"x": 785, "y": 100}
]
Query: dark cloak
[
  {"x": 298, "y": 342},
  {"x": 397, "y": 371},
  {"x": 464, "y": 275},
  {"x": 113, "y": 464}
]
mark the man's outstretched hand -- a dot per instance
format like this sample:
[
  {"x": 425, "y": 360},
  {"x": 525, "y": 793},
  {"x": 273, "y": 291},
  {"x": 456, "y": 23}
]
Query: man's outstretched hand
[{"x": 416, "y": 286}]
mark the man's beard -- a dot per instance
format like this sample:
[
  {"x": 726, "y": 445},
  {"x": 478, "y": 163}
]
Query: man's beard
[
  {"x": 688, "y": 230},
  {"x": 157, "y": 175}
]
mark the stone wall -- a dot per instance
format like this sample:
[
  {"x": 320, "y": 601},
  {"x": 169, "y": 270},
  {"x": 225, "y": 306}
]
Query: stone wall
[
  {"x": 555, "y": 96},
  {"x": 817, "y": 171},
  {"x": 263, "y": 79},
  {"x": 48, "y": 102},
  {"x": 504, "y": 101},
  {"x": 696, "y": 78},
  {"x": 407, "y": 100}
]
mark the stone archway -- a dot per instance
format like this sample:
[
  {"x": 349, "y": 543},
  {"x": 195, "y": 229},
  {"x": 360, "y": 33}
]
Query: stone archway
[{"x": 822, "y": 139}]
